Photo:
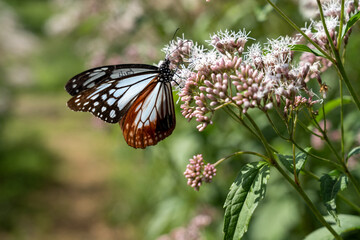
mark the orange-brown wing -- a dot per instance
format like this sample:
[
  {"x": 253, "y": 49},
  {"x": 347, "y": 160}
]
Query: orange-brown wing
[{"x": 151, "y": 117}]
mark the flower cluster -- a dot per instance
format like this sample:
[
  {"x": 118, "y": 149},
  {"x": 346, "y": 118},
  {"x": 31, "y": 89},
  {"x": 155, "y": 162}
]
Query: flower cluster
[
  {"x": 316, "y": 31},
  {"x": 197, "y": 172},
  {"x": 229, "y": 74}
]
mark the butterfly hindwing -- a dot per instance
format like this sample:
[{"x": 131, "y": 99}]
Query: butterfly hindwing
[
  {"x": 110, "y": 100},
  {"x": 92, "y": 77},
  {"x": 151, "y": 117}
]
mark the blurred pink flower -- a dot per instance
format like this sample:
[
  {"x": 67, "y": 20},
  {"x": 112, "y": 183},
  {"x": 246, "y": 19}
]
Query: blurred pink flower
[
  {"x": 190, "y": 232},
  {"x": 197, "y": 172},
  {"x": 333, "y": 135}
]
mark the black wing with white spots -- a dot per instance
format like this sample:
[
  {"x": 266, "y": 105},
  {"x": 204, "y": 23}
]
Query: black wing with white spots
[
  {"x": 109, "y": 100},
  {"x": 92, "y": 77}
]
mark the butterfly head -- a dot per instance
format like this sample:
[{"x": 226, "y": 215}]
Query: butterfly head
[{"x": 166, "y": 74}]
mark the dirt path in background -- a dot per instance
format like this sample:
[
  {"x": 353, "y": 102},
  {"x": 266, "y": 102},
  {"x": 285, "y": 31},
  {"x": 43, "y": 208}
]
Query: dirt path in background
[{"x": 74, "y": 208}]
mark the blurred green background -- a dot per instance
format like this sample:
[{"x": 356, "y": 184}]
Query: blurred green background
[{"x": 67, "y": 175}]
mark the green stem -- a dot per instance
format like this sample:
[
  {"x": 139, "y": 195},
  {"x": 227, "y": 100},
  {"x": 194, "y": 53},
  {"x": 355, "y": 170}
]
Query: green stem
[
  {"x": 308, "y": 130},
  {"x": 315, "y": 156},
  {"x": 293, "y": 149},
  {"x": 262, "y": 138},
  {"x": 342, "y": 120},
  {"x": 341, "y": 24},
  {"x": 239, "y": 153},
  {"x": 274, "y": 127},
  {"x": 308, "y": 202},
  {"x": 345, "y": 78},
  {"x": 324, "y": 114},
  {"x": 240, "y": 120},
  {"x": 353, "y": 180},
  {"x": 348, "y": 202}
]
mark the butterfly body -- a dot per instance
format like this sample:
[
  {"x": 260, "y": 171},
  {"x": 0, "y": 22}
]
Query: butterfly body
[{"x": 138, "y": 96}]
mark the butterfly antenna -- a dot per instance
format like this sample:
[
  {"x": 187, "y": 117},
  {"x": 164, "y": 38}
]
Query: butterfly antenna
[
  {"x": 167, "y": 51},
  {"x": 175, "y": 33}
]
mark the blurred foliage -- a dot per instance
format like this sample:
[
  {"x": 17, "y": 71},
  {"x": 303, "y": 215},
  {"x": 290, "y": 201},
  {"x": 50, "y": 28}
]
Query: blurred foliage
[
  {"x": 26, "y": 167},
  {"x": 49, "y": 41}
]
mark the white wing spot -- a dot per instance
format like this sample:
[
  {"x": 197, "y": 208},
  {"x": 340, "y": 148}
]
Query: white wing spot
[
  {"x": 74, "y": 85},
  {"x": 153, "y": 116},
  {"x": 120, "y": 92},
  {"x": 100, "y": 88},
  {"x": 93, "y": 74},
  {"x": 96, "y": 103},
  {"x": 94, "y": 97},
  {"x": 111, "y": 101},
  {"x": 104, "y": 96},
  {"x": 96, "y": 76},
  {"x": 138, "y": 107},
  {"x": 112, "y": 114},
  {"x": 103, "y": 109}
]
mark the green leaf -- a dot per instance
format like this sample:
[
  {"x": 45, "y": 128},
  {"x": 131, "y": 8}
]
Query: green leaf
[
  {"x": 287, "y": 161},
  {"x": 329, "y": 106},
  {"x": 348, "y": 223},
  {"x": 354, "y": 151},
  {"x": 304, "y": 48},
  {"x": 330, "y": 185},
  {"x": 350, "y": 23},
  {"x": 244, "y": 195}
]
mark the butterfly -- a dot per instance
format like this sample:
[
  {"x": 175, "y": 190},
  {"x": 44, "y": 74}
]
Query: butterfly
[{"x": 137, "y": 96}]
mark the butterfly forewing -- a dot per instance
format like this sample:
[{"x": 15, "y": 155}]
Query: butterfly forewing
[
  {"x": 151, "y": 117},
  {"x": 110, "y": 100},
  {"x": 90, "y": 78}
]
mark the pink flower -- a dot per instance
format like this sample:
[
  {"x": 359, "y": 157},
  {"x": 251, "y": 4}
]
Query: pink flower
[{"x": 197, "y": 172}]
